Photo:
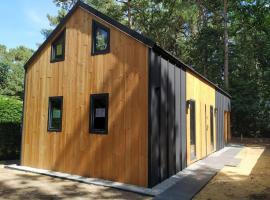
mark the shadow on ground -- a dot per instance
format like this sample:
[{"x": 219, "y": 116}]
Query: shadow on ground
[{"x": 21, "y": 185}]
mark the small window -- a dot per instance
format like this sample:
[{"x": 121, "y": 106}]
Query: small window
[
  {"x": 101, "y": 39},
  {"x": 99, "y": 113},
  {"x": 58, "y": 48},
  {"x": 55, "y": 114}
]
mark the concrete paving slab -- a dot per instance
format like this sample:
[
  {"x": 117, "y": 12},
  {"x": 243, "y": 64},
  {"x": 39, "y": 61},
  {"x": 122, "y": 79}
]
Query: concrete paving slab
[{"x": 197, "y": 175}]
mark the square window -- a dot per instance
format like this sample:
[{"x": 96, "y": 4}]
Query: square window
[
  {"x": 58, "y": 48},
  {"x": 55, "y": 114},
  {"x": 101, "y": 39},
  {"x": 99, "y": 113}
]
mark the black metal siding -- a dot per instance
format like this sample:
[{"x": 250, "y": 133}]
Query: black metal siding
[
  {"x": 167, "y": 119},
  {"x": 177, "y": 118},
  {"x": 153, "y": 119},
  {"x": 163, "y": 121},
  {"x": 222, "y": 104},
  {"x": 171, "y": 119},
  {"x": 183, "y": 120}
]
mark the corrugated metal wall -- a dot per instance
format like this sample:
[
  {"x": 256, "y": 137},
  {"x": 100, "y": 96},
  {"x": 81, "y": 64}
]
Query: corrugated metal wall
[
  {"x": 167, "y": 119},
  {"x": 222, "y": 104}
]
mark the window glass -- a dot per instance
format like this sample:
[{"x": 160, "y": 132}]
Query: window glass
[
  {"x": 58, "y": 48},
  {"x": 55, "y": 114},
  {"x": 99, "y": 113},
  {"x": 101, "y": 39}
]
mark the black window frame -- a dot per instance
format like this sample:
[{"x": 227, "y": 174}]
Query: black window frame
[
  {"x": 94, "y": 97},
  {"x": 94, "y": 51},
  {"x": 53, "y": 47},
  {"x": 49, "y": 128},
  {"x": 192, "y": 123}
]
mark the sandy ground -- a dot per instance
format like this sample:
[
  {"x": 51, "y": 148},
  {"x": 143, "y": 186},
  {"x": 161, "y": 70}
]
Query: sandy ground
[
  {"x": 21, "y": 185},
  {"x": 249, "y": 180}
]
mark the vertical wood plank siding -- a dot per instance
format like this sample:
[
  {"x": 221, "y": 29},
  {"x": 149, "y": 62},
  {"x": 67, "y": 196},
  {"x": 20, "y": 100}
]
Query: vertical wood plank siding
[
  {"x": 122, "y": 155},
  {"x": 204, "y": 96},
  {"x": 148, "y": 136}
]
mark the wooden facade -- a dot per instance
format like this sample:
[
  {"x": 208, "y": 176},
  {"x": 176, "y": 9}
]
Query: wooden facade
[
  {"x": 203, "y": 95},
  {"x": 122, "y": 154},
  {"x": 149, "y": 114}
]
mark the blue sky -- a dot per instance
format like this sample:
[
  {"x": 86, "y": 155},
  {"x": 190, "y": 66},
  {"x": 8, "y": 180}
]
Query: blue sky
[{"x": 22, "y": 20}]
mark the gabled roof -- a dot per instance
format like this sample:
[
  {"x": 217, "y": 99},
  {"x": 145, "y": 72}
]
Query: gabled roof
[{"x": 138, "y": 36}]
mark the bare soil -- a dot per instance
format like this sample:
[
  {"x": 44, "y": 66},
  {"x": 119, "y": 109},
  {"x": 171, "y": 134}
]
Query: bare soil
[
  {"x": 249, "y": 180},
  {"x": 21, "y": 185}
]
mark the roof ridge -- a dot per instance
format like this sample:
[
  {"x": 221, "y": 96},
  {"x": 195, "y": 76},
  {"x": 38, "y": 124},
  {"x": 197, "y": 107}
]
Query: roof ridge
[
  {"x": 139, "y": 36},
  {"x": 133, "y": 33}
]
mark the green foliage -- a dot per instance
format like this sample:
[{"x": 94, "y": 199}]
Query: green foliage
[
  {"x": 249, "y": 63},
  {"x": 3, "y": 66},
  {"x": 10, "y": 109},
  {"x": 11, "y": 85},
  {"x": 194, "y": 31},
  {"x": 54, "y": 20},
  {"x": 3, "y": 74},
  {"x": 109, "y": 7},
  {"x": 10, "y": 141},
  {"x": 12, "y": 71},
  {"x": 10, "y": 127}
]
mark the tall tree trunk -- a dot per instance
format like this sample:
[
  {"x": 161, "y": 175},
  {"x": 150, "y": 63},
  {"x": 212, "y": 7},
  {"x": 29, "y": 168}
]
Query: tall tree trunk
[
  {"x": 202, "y": 18},
  {"x": 226, "y": 47},
  {"x": 205, "y": 63},
  {"x": 129, "y": 13},
  {"x": 203, "y": 23}
]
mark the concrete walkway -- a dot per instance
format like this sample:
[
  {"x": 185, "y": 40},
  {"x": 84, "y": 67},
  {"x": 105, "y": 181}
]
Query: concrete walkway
[{"x": 187, "y": 183}]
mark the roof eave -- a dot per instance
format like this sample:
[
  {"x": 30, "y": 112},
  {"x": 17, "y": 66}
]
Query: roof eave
[
  {"x": 145, "y": 40},
  {"x": 180, "y": 63},
  {"x": 138, "y": 36}
]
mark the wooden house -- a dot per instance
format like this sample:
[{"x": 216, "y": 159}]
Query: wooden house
[{"x": 102, "y": 100}]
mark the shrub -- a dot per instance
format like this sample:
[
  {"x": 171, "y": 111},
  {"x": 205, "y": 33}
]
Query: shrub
[
  {"x": 10, "y": 110},
  {"x": 10, "y": 128}
]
